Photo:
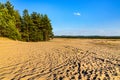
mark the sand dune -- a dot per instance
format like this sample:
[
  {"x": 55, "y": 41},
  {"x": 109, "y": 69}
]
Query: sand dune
[{"x": 60, "y": 59}]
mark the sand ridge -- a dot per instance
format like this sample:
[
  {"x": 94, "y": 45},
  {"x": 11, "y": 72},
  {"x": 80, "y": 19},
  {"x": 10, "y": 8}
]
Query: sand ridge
[{"x": 60, "y": 59}]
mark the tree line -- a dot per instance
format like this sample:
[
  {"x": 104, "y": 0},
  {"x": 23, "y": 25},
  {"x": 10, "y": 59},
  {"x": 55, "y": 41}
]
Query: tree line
[
  {"x": 88, "y": 37},
  {"x": 28, "y": 27}
]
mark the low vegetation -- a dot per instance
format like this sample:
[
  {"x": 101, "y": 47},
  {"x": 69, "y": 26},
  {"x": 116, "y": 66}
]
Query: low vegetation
[
  {"x": 28, "y": 27},
  {"x": 89, "y": 37}
]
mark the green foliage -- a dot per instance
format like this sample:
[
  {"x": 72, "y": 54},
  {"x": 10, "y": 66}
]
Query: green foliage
[
  {"x": 29, "y": 27},
  {"x": 7, "y": 26}
]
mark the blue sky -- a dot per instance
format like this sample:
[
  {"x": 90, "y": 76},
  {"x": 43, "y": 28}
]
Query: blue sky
[{"x": 77, "y": 17}]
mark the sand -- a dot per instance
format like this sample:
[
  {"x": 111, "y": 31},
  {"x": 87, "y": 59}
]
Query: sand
[{"x": 60, "y": 59}]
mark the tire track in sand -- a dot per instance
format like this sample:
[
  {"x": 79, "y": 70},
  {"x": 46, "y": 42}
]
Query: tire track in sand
[{"x": 65, "y": 63}]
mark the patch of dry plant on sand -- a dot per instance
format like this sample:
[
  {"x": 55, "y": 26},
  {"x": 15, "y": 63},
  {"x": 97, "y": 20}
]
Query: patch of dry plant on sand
[{"x": 59, "y": 59}]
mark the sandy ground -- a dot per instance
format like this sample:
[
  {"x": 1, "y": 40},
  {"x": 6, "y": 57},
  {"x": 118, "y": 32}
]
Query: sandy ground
[{"x": 60, "y": 59}]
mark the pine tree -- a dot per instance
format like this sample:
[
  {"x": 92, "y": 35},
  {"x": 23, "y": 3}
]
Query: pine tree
[
  {"x": 36, "y": 18},
  {"x": 47, "y": 28},
  {"x": 29, "y": 27},
  {"x": 26, "y": 24},
  {"x": 17, "y": 20},
  {"x": 7, "y": 26},
  {"x": 10, "y": 8}
]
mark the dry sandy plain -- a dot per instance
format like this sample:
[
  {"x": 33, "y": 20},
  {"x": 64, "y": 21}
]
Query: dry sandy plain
[{"x": 60, "y": 59}]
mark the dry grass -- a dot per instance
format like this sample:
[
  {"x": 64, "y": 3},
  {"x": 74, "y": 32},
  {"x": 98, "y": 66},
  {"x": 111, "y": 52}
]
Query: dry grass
[{"x": 60, "y": 59}]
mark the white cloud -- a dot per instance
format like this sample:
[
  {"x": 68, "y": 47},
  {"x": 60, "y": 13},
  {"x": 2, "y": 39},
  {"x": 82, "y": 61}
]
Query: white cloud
[{"x": 77, "y": 13}]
